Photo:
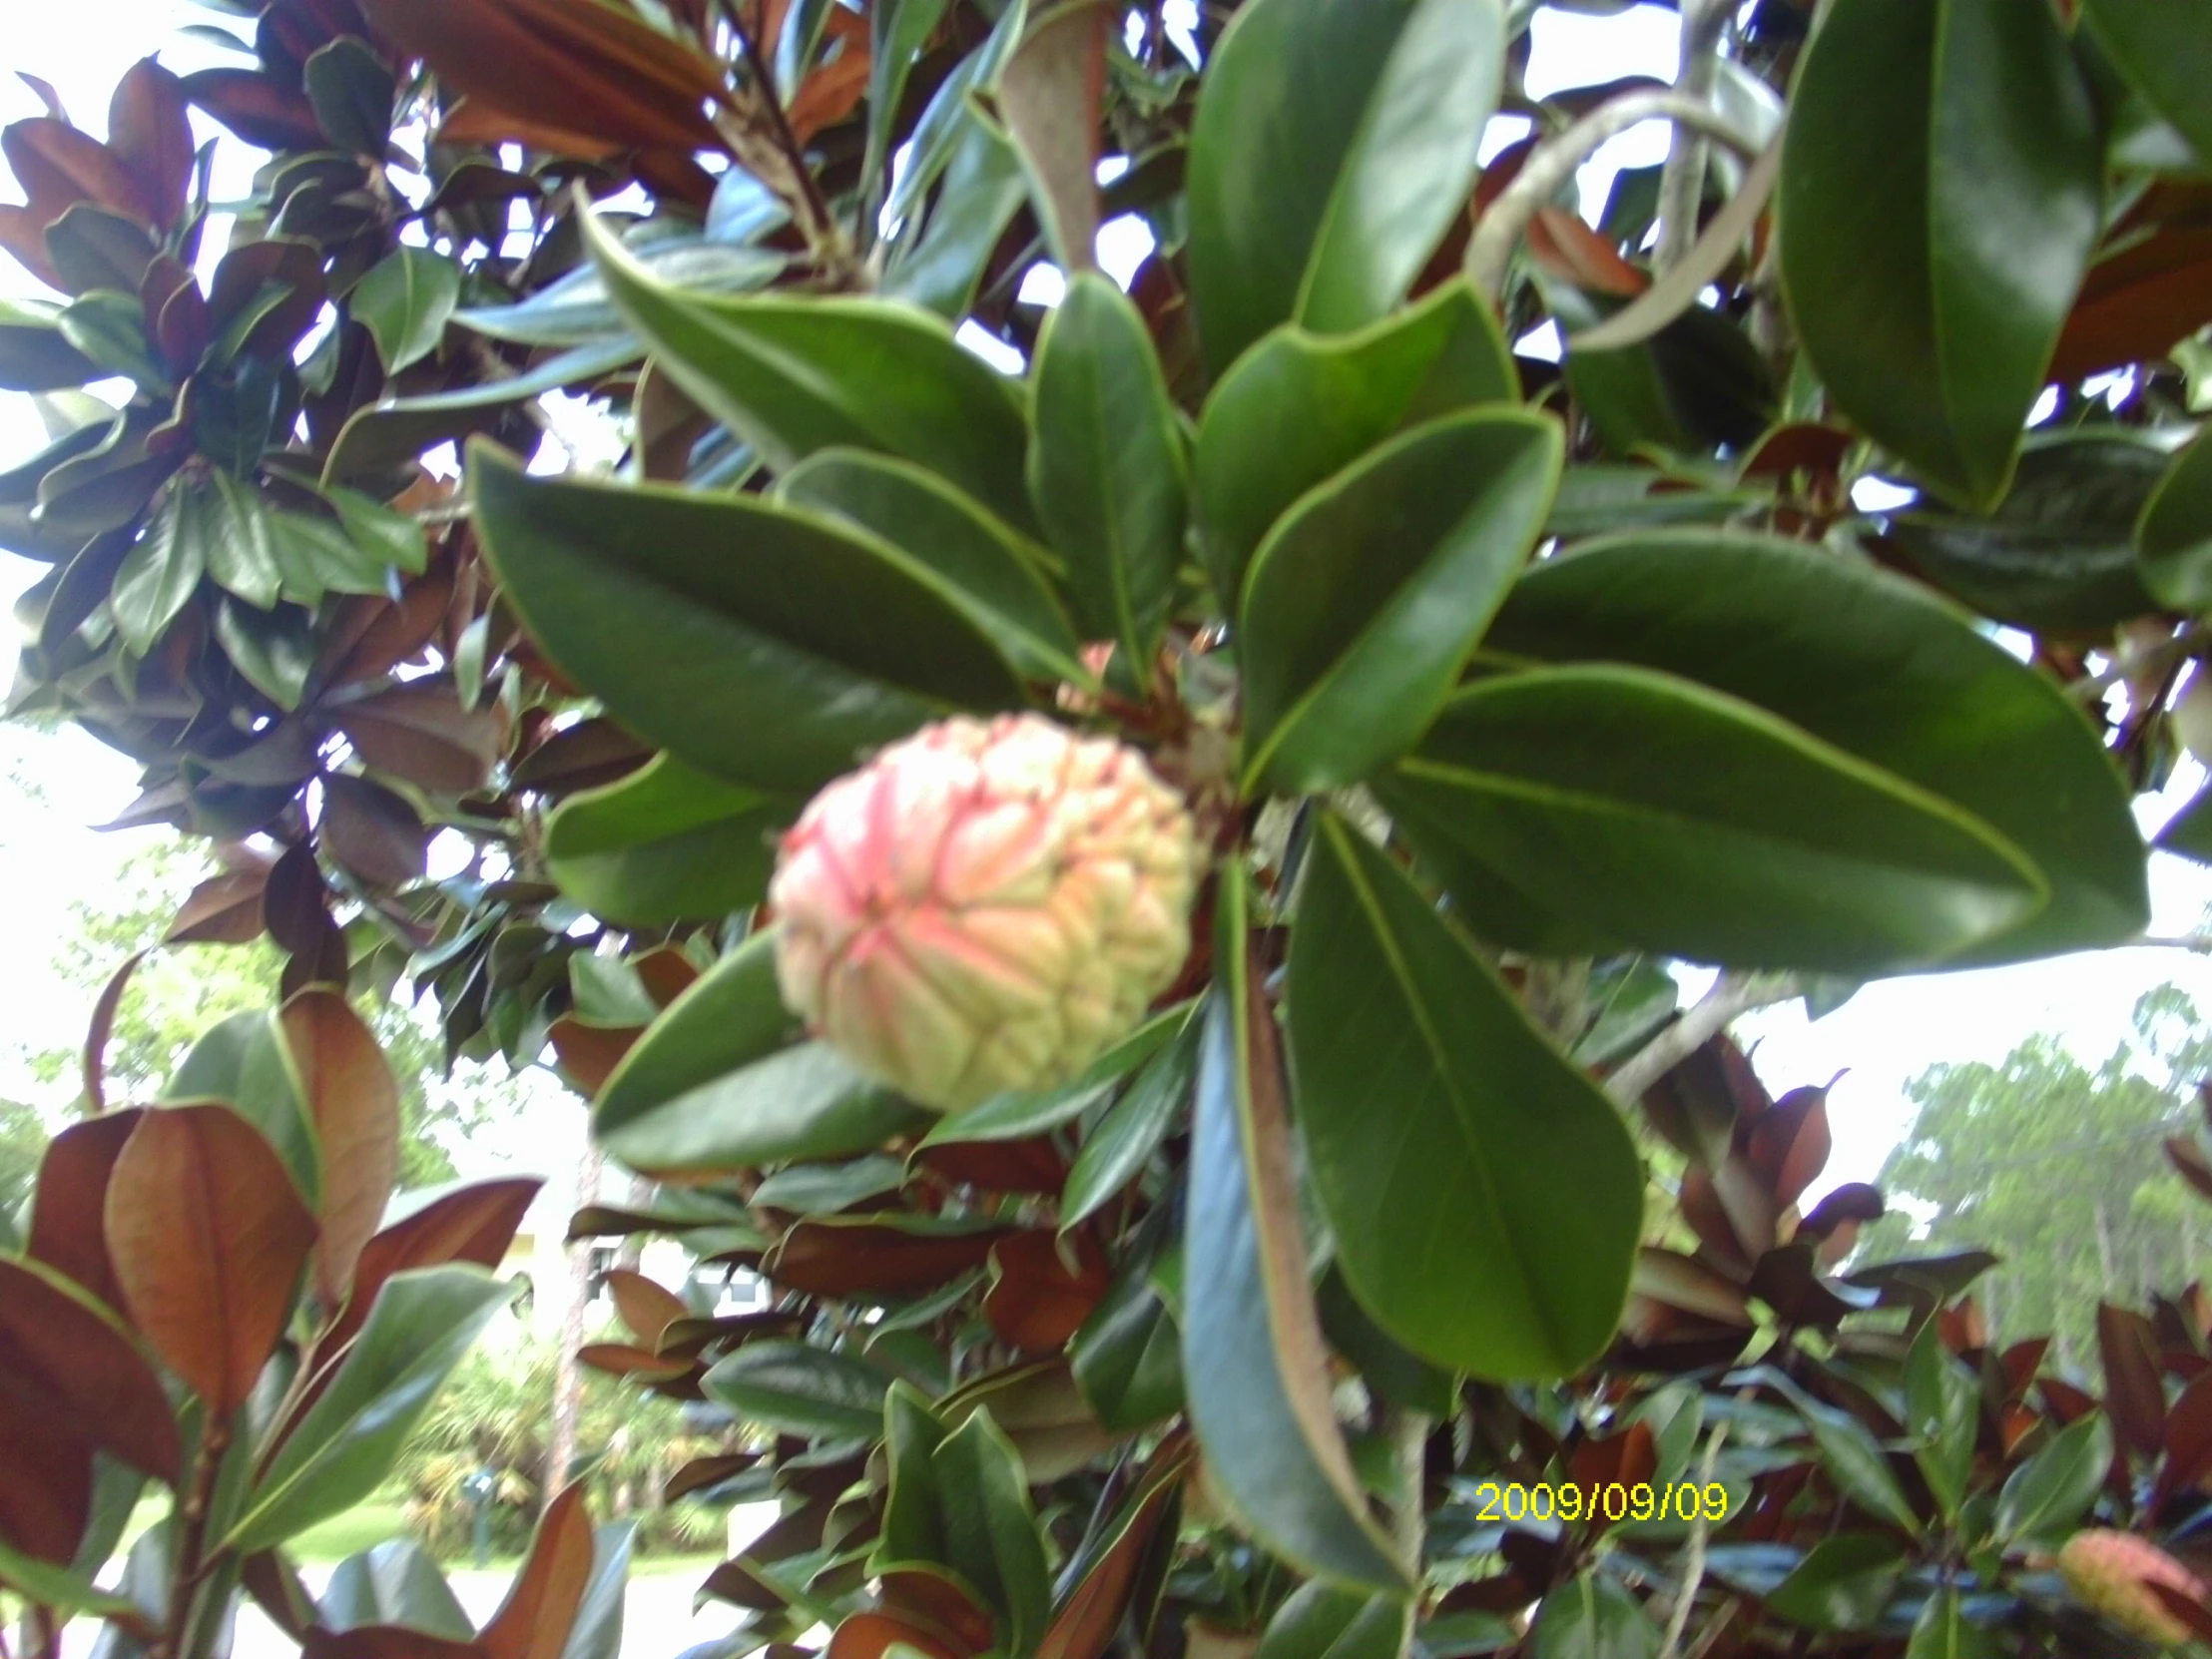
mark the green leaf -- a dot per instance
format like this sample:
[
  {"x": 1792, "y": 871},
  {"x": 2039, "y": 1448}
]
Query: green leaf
[
  {"x": 992, "y": 573},
  {"x": 1254, "y": 1366},
  {"x": 795, "y": 1389},
  {"x": 159, "y": 574},
  {"x": 1399, "y": 1376},
  {"x": 1875, "y": 666},
  {"x": 240, "y": 543},
  {"x": 1127, "y": 1359},
  {"x": 1942, "y": 1408},
  {"x": 1320, "y": 1621},
  {"x": 576, "y": 310},
  {"x": 244, "y": 1062},
  {"x": 2059, "y": 555},
  {"x": 1446, "y": 1137},
  {"x": 1941, "y": 190},
  {"x": 317, "y": 558},
  {"x": 273, "y": 651},
  {"x": 1655, "y": 815},
  {"x": 1300, "y": 406},
  {"x": 1942, "y": 1631},
  {"x": 2173, "y": 538},
  {"x": 664, "y": 845},
  {"x": 990, "y": 1531},
  {"x": 985, "y": 186},
  {"x": 34, "y": 356},
  {"x": 1853, "y": 1459},
  {"x": 63, "y": 1590},
  {"x": 1594, "y": 1617},
  {"x": 799, "y": 645},
  {"x": 397, "y": 1582},
  {"x": 1106, "y": 466},
  {"x": 899, "y": 31},
  {"x": 1117, "y": 1149},
  {"x": 1363, "y": 603},
  {"x": 2045, "y": 1498},
  {"x": 389, "y": 536},
  {"x": 341, "y": 1449},
  {"x": 405, "y": 302},
  {"x": 1844, "y": 1582},
  {"x": 717, "y": 1082},
  {"x": 109, "y": 330},
  {"x": 1696, "y": 383},
  {"x": 790, "y": 375},
  {"x": 1335, "y": 143},
  {"x": 596, "y": 1631},
  {"x": 912, "y": 1529},
  {"x": 352, "y": 92},
  {"x": 2166, "y": 52}
]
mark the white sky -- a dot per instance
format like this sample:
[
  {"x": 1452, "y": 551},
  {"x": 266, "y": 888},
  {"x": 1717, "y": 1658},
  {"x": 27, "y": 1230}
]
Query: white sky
[{"x": 1885, "y": 1035}]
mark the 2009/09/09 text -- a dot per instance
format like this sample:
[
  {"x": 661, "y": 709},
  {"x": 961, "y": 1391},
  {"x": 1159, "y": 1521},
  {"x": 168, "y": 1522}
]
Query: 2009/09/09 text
[{"x": 1611, "y": 1501}]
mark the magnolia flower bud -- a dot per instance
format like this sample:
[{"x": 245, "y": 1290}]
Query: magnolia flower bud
[
  {"x": 984, "y": 908},
  {"x": 2111, "y": 1573}
]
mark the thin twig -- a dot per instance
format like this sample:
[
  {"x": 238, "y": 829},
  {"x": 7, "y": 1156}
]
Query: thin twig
[
  {"x": 1732, "y": 995},
  {"x": 1693, "y": 1558},
  {"x": 1553, "y": 164},
  {"x": 2201, "y": 943},
  {"x": 1682, "y": 185},
  {"x": 193, "y": 1562},
  {"x": 805, "y": 194}
]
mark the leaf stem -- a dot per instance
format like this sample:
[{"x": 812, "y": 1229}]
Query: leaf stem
[
  {"x": 816, "y": 221},
  {"x": 192, "y": 1561},
  {"x": 1682, "y": 185}
]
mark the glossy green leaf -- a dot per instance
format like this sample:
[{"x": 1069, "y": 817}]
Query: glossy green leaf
[
  {"x": 241, "y": 542},
  {"x": 577, "y": 310},
  {"x": 992, "y": 573},
  {"x": 1120, "y": 1145},
  {"x": 1942, "y": 1631},
  {"x": 899, "y": 31},
  {"x": 1941, "y": 190},
  {"x": 1942, "y": 1408},
  {"x": 990, "y": 1531},
  {"x": 397, "y": 1582},
  {"x": 340, "y": 1451},
  {"x": 1335, "y": 142},
  {"x": 351, "y": 89},
  {"x": 2059, "y": 554},
  {"x": 1364, "y": 601},
  {"x": 1106, "y": 467},
  {"x": 798, "y": 646},
  {"x": 666, "y": 844},
  {"x": 1660, "y": 815},
  {"x": 1696, "y": 383},
  {"x": 1853, "y": 1459},
  {"x": 34, "y": 357},
  {"x": 2173, "y": 538},
  {"x": 1400, "y": 1377},
  {"x": 159, "y": 574},
  {"x": 2044, "y": 1500},
  {"x": 1594, "y": 1617},
  {"x": 1875, "y": 666},
  {"x": 985, "y": 186},
  {"x": 109, "y": 330},
  {"x": 1447, "y": 1138},
  {"x": 244, "y": 1062},
  {"x": 2165, "y": 50},
  {"x": 1844, "y": 1582},
  {"x": 318, "y": 557},
  {"x": 1254, "y": 1366},
  {"x": 1127, "y": 1357},
  {"x": 1320, "y": 1621},
  {"x": 793, "y": 375},
  {"x": 273, "y": 651},
  {"x": 61, "y": 1588},
  {"x": 720, "y": 1082},
  {"x": 1300, "y": 406},
  {"x": 795, "y": 1389},
  {"x": 913, "y": 1530},
  {"x": 405, "y": 302}
]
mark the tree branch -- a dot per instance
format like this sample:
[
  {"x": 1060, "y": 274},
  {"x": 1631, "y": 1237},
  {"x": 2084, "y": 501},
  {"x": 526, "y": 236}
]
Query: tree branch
[
  {"x": 1693, "y": 1558},
  {"x": 1732, "y": 995},
  {"x": 2201, "y": 943},
  {"x": 1682, "y": 185},
  {"x": 783, "y": 165},
  {"x": 1553, "y": 164}
]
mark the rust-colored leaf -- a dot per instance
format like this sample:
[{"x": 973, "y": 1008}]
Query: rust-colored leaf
[
  {"x": 606, "y": 74},
  {"x": 580, "y": 756},
  {"x": 71, "y": 1198},
  {"x": 353, "y": 1101},
  {"x": 667, "y": 973},
  {"x": 935, "y": 1601},
  {"x": 621, "y": 1360},
  {"x": 476, "y": 1223},
  {"x": 701, "y": 1473},
  {"x": 151, "y": 135},
  {"x": 1565, "y": 246},
  {"x": 208, "y": 1236},
  {"x": 373, "y": 831},
  {"x": 421, "y": 733},
  {"x": 646, "y": 1306},
  {"x": 1036, "y": 1298},
  {"x": 2136, "y": 304},
  {"x": 2190, "y": 1611},
  {"x": 588, "y": 1054},
  {"x": 246, "y": 270},
  {"x": 1034, "y": 1165},
  {"x": 100, "y": 1029},
  {"x": 829, "y": 94},
  {"x": 1788, "y": 1144},
  {"x": 58, "y": 165},
  {"x": 533, "y": 1622},
  {"x": 22, "y": 234},
  {"x": 874, "y": 1635},
  {"x": 2188, "y": 1157},
  {"x": 45, "y": 1479},
  {"x": 1630, "y": 1458},
  {"x": 223, "y": 909},
  {"x": 2188, "y": 1440},
  {"x": 91, "y": 1378},
  {"x": 258, "y": 108},
  {"x": 841, "y": 1255},
  {"x": 2134, "y": 1397},
  {"x": 1690, "y": 1285},
  {"x": 1085, "y": 1623},
  {"x": 370, "y": 637}
]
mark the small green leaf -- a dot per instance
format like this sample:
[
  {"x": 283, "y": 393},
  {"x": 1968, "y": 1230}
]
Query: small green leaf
[
  {"x": 790, "y": 375},
  {"x": 990, "y": 1531},
  {"x": 1320, "y": 1621},
  {"x": 63, "y": 1590},
  {"x": 985, "y": 186},
  {"x": 1941, "y": 190},
  {"x": 2045, "y": 1498},
  {"x": 664, "y": 845},
  {"x": 397, "y": 1582},
  {"x": 798, "y": 646},
  {"x": 405, "y": 302},
  {"x": 240, "y": 543},
  {"x": 1335, "y": 142},
  {"x": 109, "y": 330},
  {"x": 389, "y": 536},
  {"x": 1844, "y": 1582},
  {"x": 1446, "y": 1137},
  {"x": 341, "y": 1449},
  {"x": 1363, "y": 603},
  {"x": 1594, "y": 1617},
  {"x": 1127, "y": 1359},
  {"x": 2173, "y": 538},
  {"x": 1106, "y": 466},
  {"x": 34, "y": 356},
  {"x": 159, "y": 574},
  {"x": 913, "y": 1530},
  {"x": 1117, "y": 1149},
  {"x": 1853, "y": 1459},
  {"x": 1300, "y": 406},
  {"x": 273, "y": 650},
  {"x": 1942, "y": 1631},
  {"x": 1942, "y": 1403},
  {"x": 795, "y": 1389},
  {"x": 352, "y": 89}
]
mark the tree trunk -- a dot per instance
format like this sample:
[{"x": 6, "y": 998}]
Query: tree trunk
[{"x": 568, "y": 1375}]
